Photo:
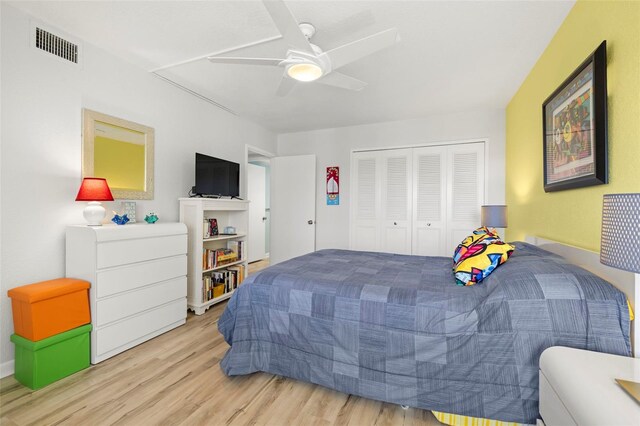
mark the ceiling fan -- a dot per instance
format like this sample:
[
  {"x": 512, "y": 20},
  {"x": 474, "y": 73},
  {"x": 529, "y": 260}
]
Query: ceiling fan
[{"x": 304, "y": 61}]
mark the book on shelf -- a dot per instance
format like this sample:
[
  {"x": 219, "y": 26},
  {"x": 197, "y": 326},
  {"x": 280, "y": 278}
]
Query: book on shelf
[
  {"x": 236, "y": 246},
  {"x": 209, "y": 228},
  {"x": 218, "y": 283},
  {"x": 213, "y": 258}
]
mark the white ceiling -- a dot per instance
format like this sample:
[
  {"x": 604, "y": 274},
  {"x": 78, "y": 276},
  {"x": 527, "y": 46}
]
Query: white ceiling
[{"x": 453, "y": 56}]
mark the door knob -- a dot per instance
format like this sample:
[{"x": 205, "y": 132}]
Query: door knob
[
  {"x": 428, "y": 224},
  {"x": 264, "y": 218},
  {"x": 310, "y": 222},
  {"x": 395, "y": 223}
]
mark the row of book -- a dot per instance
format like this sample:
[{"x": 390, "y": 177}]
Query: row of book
[
  {"x": 238, "y": 247},
  {"x": 213, "y": 258},
  {"x": 220, "y": 282}
]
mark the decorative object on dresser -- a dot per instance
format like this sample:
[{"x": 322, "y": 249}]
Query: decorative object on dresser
[
  {"x": 151, "y": 218},
  {"x": 107, "y": 142},
  {"x": 120, "y": 220},
  {"x": 216, "y": 263},
  {"x": 494, "y": 216},
  {"x": 575, "y": 127},
  {"x": 129, "y": 208},
  {"x": 94, "y": 190},
  {"x": 138, "y": 281}
]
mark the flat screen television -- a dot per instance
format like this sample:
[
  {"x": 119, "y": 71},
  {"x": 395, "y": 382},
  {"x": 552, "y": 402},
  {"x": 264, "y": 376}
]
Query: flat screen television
[{"x": 217, "y": 177}]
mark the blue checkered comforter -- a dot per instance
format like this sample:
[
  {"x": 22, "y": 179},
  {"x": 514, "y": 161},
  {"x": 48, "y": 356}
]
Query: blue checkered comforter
[{"x": 397, "y": 328}]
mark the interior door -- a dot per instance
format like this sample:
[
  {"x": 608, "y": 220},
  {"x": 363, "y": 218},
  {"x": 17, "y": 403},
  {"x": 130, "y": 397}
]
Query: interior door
[
  {"x": 397, "y": 197},
  {"x": 293, "y": 207},
  {"x": 256, "y": 185},
  {"x": 365, "y": 204},
  {"x": 465, "y": 190},
  {"x": 430, "y": 202}
]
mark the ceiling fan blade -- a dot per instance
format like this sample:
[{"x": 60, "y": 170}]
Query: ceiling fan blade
[
  {"x": 287, "y": 25},
  {"x": 343, "y": 55},
  {"x": 343, "y": 81},
  {"x": 245, "y": 61},
  {"x": 286, "y": 85}
]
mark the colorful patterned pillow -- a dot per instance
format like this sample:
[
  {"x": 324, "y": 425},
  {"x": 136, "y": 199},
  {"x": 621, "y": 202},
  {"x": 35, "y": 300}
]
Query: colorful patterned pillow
[
  {"x": 480, "y": 236},
  {"x": 485, "y": 230},
  {"x": 480, "y": 260}
]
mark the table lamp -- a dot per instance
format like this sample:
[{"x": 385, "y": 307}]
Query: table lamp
[
  {"x": 620, "y": 237},
  {"x": 94, "y": 190},
  {"x": 494, "y": 216},
  {"x": 620, "y": 247}
]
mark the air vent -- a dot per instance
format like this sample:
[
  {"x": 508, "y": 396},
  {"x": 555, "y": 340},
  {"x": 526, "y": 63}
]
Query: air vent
[{"x": 44, "y": 40}]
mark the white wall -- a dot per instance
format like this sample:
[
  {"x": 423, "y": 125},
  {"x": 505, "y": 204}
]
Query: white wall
[
  {"x": 42, "y": 100},
  {"x": 333, "y": 147}
]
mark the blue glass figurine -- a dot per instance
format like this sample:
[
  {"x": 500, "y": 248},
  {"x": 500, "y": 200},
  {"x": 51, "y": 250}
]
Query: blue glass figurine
[
  {"x": 151, "y": 218},
  {"x": 119, "y": 220}
]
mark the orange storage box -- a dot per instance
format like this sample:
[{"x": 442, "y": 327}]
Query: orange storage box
[{"x": 47, "y": 308}]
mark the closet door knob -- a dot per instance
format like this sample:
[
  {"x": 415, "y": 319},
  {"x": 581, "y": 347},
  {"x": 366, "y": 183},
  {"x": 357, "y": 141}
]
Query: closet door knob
[
  {"x": 310, "y": 222},
  {"x": 395, "y": 223},
  {"x": 428, "y": 224}
]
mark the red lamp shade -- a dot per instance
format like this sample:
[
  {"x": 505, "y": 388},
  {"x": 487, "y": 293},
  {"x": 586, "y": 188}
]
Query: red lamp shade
[{"x": 94, "y": 189}]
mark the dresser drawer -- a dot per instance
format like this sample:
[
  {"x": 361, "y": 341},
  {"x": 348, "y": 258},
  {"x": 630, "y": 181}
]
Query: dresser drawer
[
  {"x": 115, "y": 253},
  {"x": 118, "y": 337},
  {"x": 130, "y": 277},
  {"x": 126, "y": 304}
]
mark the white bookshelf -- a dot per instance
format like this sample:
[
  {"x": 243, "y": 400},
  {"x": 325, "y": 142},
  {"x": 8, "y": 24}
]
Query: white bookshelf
[{"x": 193, "y": 212}]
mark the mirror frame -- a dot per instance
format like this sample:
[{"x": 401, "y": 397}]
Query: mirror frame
[{"x": 89, "y": 119}]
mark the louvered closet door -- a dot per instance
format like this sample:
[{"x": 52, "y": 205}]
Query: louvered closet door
[
  {"x": 365, "y": 208},
  {"x": 430, "y": 201},
  {"x": 396, "y": 200},
  {"x": 465, "y": 190}
]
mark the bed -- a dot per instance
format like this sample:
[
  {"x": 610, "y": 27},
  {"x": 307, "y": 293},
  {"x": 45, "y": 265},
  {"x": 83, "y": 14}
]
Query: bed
[{"x": 395, "y": 328}]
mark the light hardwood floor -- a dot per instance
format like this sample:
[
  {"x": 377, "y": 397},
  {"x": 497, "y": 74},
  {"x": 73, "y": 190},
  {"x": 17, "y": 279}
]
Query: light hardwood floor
[
  {"x": 175, "y": 379},
  {"x": 258, "y": 266}
]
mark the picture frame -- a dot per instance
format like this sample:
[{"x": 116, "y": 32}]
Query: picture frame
[
  {"x": 129, "y": 208},
  {"x": 575, "y": 131}
]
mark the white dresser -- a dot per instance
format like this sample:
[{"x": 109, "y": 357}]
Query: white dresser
[
  {"x": 578, "y": 387},
  {"x": 138, "y": 281}
]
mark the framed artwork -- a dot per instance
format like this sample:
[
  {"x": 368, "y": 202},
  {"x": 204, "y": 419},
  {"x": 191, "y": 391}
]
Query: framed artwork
[
  {"x": 575, "y": 127},
  {"x": 129, "y": 208},
  {"x": 333, "y": 186}
]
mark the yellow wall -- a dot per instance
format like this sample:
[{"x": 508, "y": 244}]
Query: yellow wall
[
  {"x": 573, "y": 216},
  {"x": 121, "y": 163}
]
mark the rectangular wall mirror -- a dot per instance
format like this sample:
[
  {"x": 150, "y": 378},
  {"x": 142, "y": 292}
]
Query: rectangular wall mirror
[{"x": 120, "y": 151}]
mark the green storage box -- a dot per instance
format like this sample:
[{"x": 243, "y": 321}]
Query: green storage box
[{"x": 45, "y": 361}]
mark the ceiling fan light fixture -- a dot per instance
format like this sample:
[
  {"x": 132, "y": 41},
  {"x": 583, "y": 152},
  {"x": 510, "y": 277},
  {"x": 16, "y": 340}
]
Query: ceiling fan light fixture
[{"x": 304, "y": 71}]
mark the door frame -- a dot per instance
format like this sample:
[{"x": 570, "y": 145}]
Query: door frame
[
  {"x": 255, "y": 150},
  {"x": 483, "y": 140}
]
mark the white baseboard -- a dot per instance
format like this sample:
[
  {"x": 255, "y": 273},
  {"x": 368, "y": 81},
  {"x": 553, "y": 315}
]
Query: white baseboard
[{"x": 7, "y": 368}]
